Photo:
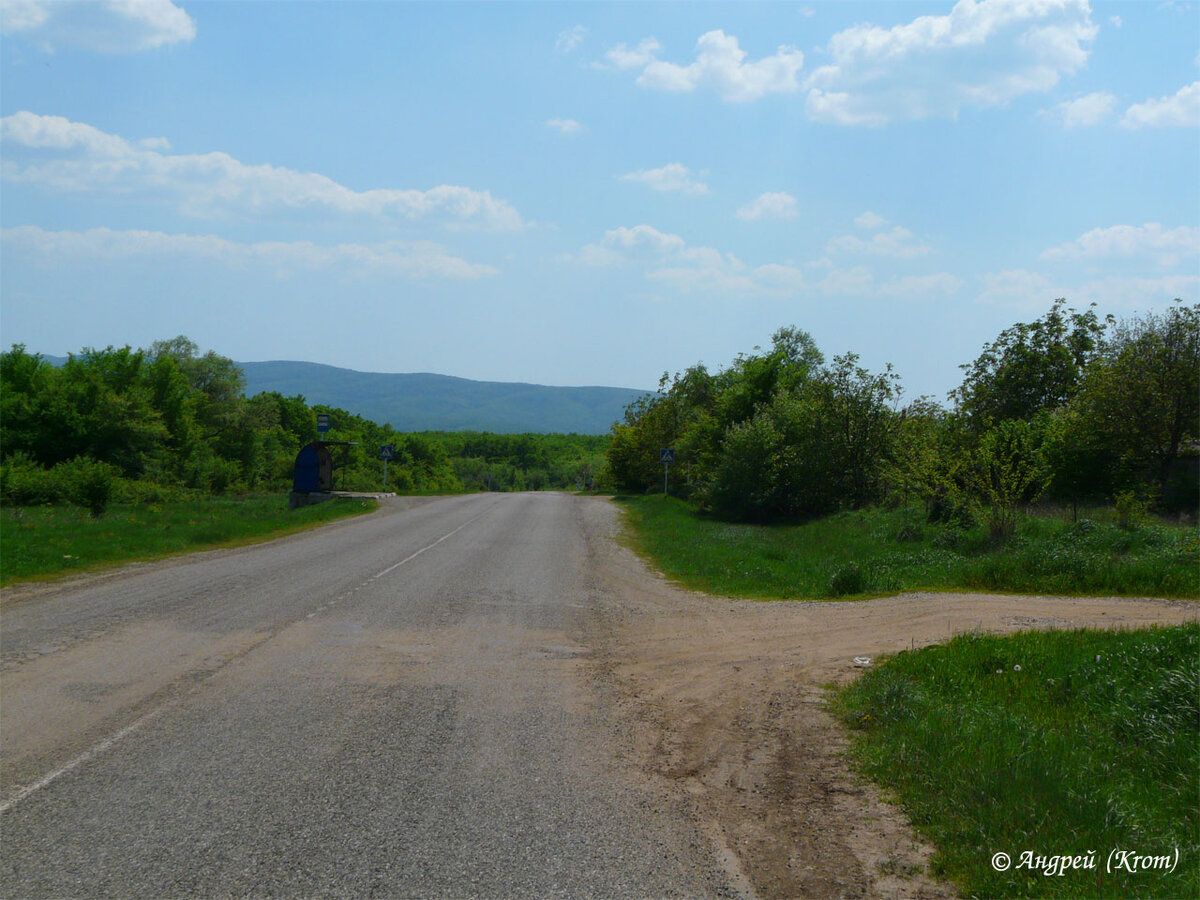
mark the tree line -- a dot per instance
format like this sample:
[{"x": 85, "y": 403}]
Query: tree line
[
  {"x": 1070, "y": 407},
  {"x": 168, "y": 421}
]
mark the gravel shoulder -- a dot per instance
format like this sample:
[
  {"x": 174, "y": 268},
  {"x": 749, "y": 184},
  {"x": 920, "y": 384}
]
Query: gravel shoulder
[{"x": 728, "y": 697}]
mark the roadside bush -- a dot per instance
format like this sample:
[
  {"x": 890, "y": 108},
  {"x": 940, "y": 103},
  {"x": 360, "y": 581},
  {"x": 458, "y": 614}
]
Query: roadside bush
[
  {"x": 848, "y": 579},
  {"x": 24, "y": 483},
  {"x": 89, "y": 483}
]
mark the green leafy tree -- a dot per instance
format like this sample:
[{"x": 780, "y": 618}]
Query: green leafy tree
[
  {"x": 1006, "y": 471},
  {"x": 1030, "y": 367},
  {"x": 1141, "y": 397}
]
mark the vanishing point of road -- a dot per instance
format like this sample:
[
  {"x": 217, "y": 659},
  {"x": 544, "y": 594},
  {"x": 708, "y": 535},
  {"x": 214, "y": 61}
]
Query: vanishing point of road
[{"x": 403, "y": 705}]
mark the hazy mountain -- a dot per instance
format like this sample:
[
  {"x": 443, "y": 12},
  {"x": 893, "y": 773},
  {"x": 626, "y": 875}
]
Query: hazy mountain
[{"x": 424, "y": 402}]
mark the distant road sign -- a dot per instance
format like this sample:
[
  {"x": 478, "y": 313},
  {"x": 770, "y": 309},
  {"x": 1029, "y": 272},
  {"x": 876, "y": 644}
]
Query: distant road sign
[
  {"x": 387, "y": 452},
  {"x": 322, "y": 423},
  {"x": 666, "y": 456}
]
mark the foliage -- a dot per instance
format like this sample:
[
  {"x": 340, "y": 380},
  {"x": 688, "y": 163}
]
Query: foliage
[
  {"x": 1030, "y": 367},
  {"x": 172, "y": 422},
  {"x": 1059, "y": 743},
  {"x": 777, "y": 435},
  {"x": 1007, "y": 470}
]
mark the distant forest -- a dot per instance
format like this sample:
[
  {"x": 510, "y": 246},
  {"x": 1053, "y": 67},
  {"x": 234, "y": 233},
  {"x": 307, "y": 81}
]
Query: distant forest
[
  {"x": 169, "y": 422},
  {"x": 1070, "y": 408}
]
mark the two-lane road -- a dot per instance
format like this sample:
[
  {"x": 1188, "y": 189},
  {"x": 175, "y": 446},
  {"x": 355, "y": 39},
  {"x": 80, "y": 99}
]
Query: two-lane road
[{"x": 398, "y": 705}]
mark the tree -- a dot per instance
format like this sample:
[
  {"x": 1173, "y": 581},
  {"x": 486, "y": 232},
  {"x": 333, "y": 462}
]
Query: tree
[
  {"x": 1006, "y": 470},
  {"x": 1141, "y": 397},
  {"x": 1030, "y": 367}
]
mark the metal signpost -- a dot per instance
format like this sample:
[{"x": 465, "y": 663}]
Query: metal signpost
[
  {"x": 322, "y": 423},
  {"x": 386, "y": 452},
  {"x": 666, "y": 456}
]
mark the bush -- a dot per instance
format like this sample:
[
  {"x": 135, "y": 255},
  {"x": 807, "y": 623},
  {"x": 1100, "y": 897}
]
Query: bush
[
  {"x": 89, "y": 483},
  {"x": 848, "y": 579}
]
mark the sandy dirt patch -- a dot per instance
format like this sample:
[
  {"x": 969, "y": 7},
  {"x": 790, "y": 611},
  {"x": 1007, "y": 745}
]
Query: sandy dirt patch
[{"x": 728, "y": 697}]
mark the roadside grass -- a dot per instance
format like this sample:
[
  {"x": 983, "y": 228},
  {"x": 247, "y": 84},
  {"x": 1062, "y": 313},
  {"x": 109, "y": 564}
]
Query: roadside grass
[
  {"x": 1053, "y": 743},
  {"x": 880, "y": 551},
  {"x": 47, "y": 541}
]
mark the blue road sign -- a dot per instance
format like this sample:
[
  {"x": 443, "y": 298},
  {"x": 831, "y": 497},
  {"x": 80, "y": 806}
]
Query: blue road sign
[
  {"x": 387, "y": 451},
  {"x": 322, "y": 423},
  {"x": 666, "y": 456}
]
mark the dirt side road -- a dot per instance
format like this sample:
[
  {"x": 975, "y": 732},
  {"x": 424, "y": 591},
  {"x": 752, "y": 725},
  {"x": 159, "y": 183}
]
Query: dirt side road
[{"x": 728, "y": 700}]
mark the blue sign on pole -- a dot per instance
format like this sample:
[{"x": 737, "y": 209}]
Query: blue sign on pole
[
  {"x": 322, "y": 423},
  {"x": 387, "y": 451},
  {"x": 666, "y": 456}
]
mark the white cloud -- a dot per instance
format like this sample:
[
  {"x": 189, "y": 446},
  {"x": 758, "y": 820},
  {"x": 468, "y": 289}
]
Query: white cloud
[
  {"x": 1030, "y": 291},
  {"x": 1116, "y": 21},
  {"x": 1018, "y": 287},
  {"x": 671, "y": 177},
  {"x": 564, "y": 126},
  {"x": 104, "y": 26},
  {"x": 1181, "y": 109},
  {"x": 1167, "y": 246},
  {"x": 984, "y": 53},
  {"x": 778, "y": 205},
  {"x": 896, "y": 242},
  {"x": 668, "y": 260},
  {"x": 215, "y": 184},
  {"x": 720, "y": 64},
  {"x": 622, "y": 58},
  {"x": 570, "y": 38},
  {"x": 870, "y": 221},
  {"x": 419, "y": 259},
  {"x": 1083, "y": 112}
]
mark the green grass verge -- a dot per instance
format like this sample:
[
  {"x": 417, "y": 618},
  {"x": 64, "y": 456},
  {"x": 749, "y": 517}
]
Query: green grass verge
[
  {"x": 882, "y": 551},
  {"x": 1047, "y": 743},
  {"x": 46, "y": 541}
]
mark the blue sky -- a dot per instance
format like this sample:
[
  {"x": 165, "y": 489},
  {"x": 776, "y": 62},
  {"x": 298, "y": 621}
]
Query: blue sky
[{"x": 578, "y": 193}]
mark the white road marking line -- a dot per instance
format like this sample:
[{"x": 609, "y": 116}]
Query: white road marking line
[
  {"x": 83, "y": 757},
  {"x": 430, "y": 547},
  {"x": 108, "y": 742}
]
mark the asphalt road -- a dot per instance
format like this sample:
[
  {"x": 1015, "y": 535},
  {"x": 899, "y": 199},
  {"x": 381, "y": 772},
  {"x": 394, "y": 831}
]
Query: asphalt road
[{"x": 400, "y": 705}]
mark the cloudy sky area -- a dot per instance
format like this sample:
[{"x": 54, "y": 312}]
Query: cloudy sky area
[{"x": 591, "y": 193}]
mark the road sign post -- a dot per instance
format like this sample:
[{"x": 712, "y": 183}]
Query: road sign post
[
  {"x": 386, "y": 453},
  {"x": 322, "y": 423},
  {"x": 666, "y": 456}
]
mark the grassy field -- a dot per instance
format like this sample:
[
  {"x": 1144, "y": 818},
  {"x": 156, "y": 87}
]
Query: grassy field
[
  {"x": 45, "y": 541},
  {"x": 1051, "y": 744},
  {"x": 880, "y": 551}
]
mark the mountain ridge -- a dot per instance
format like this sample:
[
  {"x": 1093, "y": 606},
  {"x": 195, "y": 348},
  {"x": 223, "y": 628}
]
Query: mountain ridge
[{"x": 426, "y": 401}]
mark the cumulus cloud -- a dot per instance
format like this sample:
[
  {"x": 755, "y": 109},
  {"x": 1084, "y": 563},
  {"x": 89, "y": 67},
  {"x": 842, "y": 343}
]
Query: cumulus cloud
[
  {"x": 622, "y": 58},
  {"x": 418, "y": 259},
  {"x": 1167, "y": 246},
  {"x": 870, "y": 221},
  {"x": 1017, "y": 287},
  {"x": 1182, "y": 109},
  {"x": 1083, "y": 112},
  {"x": 777, "y": 205},
  {"x": 76, "y": 157},
  {"x": 564, "y": 126},
  {"x": 720, "y": 65},
  {"x": 671, "y": 177},
  {"x": 668, "y": 260},
  {"x": 984, "y": 53},
  {"x": 104, "y": 26},
  {"x": 570, "y": 38},
  {"x": 896, "y": 242}
]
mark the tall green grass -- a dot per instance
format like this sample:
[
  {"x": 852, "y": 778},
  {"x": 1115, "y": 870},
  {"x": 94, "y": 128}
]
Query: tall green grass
[
  {"x": 880, "y": 551},
  {"x": 1051, "y": 743},
  {"x": 43, "y": 541}
]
